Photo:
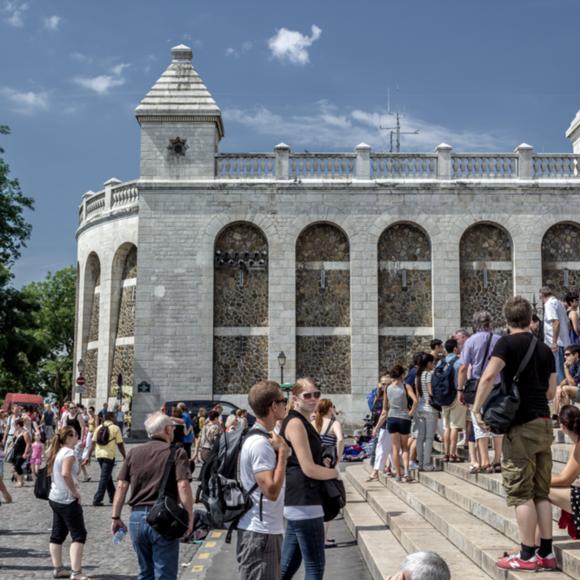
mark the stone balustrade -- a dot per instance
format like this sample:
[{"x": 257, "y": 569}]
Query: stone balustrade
[
  {"x": 484, "y": 166},
  {"x": 116, "y": 196},
  {"x": 556, "y": 165},
  {"x": 94, "y": 205},
  {"x": 321, "y": 165},
  {"x": 245, "y": 165},
  {"x": 124, "y": 195},
  {"x": 403, "y": 166}
]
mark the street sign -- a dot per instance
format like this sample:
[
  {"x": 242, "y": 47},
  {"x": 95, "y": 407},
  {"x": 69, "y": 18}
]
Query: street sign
[
  {"x": 81, "y": 380},
  {"x": 143, "y": 387}
]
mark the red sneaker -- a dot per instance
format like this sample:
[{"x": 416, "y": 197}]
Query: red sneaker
[
  {"x": 547, "y": 563},
  {"x": 514, "y": 562}
]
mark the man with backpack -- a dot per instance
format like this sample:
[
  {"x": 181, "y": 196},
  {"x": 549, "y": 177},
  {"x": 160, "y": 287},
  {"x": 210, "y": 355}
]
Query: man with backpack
[
  {"x": 106, "y": 438},
  {"x": 444, "y": 387},
  {"x": 262, "y": 475}
]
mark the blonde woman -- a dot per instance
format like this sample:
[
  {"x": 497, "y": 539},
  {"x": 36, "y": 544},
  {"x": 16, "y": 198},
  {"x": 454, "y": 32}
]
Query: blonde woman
[
  {"x": 383, "y": 444},
  {"x": 330, "y": 431},
  {"x": 65, "y": 501}
]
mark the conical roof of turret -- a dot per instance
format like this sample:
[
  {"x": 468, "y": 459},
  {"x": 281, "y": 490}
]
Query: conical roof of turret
[{"x": 180, "y": 92}]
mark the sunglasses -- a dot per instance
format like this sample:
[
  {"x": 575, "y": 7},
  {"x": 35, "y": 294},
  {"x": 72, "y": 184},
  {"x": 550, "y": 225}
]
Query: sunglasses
[
  {"x": 280, "y": 401},
  {"x": 567, "y": 354},
  {"x": 308, "y": 396}
]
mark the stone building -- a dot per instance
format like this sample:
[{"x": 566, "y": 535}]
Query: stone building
[{"x": 196, "y": 275}]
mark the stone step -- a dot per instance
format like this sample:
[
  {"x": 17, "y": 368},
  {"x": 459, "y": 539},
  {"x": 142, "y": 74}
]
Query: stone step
[
  {"x": 412, "y": 531},
  {"x": 380, "y": 549},
  {"x": 479, "y": 542},
  {"x": 492, "y": 510}
]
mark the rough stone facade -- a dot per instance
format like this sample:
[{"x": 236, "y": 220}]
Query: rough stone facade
[
  {"x": 91, "y": 359},
  {"x": 185, "y": 347},
  {"x": 327, "y": 360},
  {"x": 94, "y": 323},
  {"x": 561, "y": 259},
  {"x": 123, "y": 362},
  {"x": 239, "y": 362},
  {"x": 126, "y": 325},
  {"x": 486, "y": 272}
]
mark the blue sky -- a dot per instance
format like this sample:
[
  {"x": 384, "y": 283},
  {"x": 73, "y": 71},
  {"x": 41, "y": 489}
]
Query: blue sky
[{"x": 478, "y": 74}]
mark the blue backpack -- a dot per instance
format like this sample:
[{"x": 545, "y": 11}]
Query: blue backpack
[
  {"x": 371, "y": 398},
  {"x": 443, "y": 383}
]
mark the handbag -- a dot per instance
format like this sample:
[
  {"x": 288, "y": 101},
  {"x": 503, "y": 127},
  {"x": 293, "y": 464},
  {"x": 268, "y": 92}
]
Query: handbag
[
  {"x": 42, "y": 484},
  {"x": 333, "y": 494},
  {"x": 499, "y": 411},
  {"x": 329, "y": 451},
  {"x": 167, "y": 517},
  {"x": 470, "y": 389}
]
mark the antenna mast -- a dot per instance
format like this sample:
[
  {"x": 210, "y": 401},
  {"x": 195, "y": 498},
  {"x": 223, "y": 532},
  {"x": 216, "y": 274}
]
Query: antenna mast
[{"x": 396, "y": 130}]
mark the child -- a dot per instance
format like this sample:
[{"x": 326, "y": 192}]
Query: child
[{"x": 37, "y": 454}]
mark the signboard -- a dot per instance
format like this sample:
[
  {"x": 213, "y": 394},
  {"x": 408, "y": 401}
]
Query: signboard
[
  {"x": 81, "y": 380},
  {"x": 143, "y": 387}
]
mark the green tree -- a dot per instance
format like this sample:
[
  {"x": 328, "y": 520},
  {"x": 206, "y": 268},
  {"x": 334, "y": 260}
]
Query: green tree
[{"x": 54, "y": 323}]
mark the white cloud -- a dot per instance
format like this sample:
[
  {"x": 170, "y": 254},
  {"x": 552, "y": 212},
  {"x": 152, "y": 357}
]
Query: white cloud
[
  {"x": 237, "y": 52},
  {"x": 25, "y": 102},
  {"x": 12, "y": 12},
  {"x": 329, "y": 128},
  {"x": 232, "y": 52},
  {"x": 292, "y": 45},
  {"x": 102, "y": 84},
  {"x": 52, "y": 22}
]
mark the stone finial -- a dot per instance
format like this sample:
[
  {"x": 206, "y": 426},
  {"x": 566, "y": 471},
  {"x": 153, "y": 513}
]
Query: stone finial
[
  {"x": 362, "y": 147},
  {"x": 281, "y": 146},
  {"x": 112, "y": 182},
  {"x": 182, "y": 53},
  {"x": 443, "y": 147},
  {"x": 443, "y": 160},
  {"x": 523, "y": 147},
  {"x": 573, "y": 133},
  {"x": 525, "y": 161},
  {"x": 88, "y": 193}
]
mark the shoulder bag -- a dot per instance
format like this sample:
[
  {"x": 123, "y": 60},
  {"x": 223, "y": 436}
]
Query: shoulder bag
[
  {"x": 499, "y": 411},
  {"x": 471, "y": 385},
  {"x": 329, "y": 451},
  {"x": 42, "y": 484},
  {"x": 167, "y": 517}
]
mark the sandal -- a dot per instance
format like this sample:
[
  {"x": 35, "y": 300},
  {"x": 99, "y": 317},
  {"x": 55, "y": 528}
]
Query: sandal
[
  {"x": 372, "y": 478},
  {"x": 78, "y": 575},
  {"x": 455, "y": 459},
  {"x": 330, "y": 543},
  {"x": 487, "y": 468},
  {"x": 496, "y": 467},
  {"x": 447, "y": 458},
  {"x": 474, "y": 469},
  {"x": 60, "y": 572},
  {"x": 406, "y": 479}
]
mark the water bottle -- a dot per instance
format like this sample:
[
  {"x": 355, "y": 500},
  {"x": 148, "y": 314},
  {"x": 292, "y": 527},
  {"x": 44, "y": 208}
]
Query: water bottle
[{"x": 119, "y": 535}]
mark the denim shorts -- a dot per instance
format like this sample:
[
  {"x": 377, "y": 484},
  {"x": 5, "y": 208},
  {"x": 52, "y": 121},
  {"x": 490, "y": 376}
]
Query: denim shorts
[{"x": 397, "y": 425}]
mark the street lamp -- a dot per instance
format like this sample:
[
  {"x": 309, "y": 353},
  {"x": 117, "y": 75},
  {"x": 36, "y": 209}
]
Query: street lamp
[
  {"x": 282, "y": 362},
  {"x": 80, "y": 379},
  {"x": 120, "y": 389}
]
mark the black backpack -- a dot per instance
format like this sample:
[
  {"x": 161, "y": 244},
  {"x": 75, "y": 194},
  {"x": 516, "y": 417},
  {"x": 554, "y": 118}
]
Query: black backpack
[
  {"x": 443, "y": 384},
  {"x": 220, "y": 490},
  {"x": 103, "y": 435}
]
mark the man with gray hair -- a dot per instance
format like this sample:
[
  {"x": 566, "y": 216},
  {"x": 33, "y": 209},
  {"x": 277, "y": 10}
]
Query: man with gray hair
[
  {"x": 475, "y": 355},
  {"x": 143, "y": 470},
  {"x": 423, "y": 566},
  {"x": 556, "y": 330}
]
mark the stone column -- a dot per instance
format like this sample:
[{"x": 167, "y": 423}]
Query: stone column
[
  {"x": 363, "y": 161},
  {"x": 525, "y": 163},
  {"x": 106, "y": 332},
  {"x": 109, "y": 193},
  {"x": 282, "y": 160},
  {"x": 364, "y": 319},
  {"x": 282, "y": 302},
  {"x": 443, "y": 160},
  {"x": 527, "y": 261}
]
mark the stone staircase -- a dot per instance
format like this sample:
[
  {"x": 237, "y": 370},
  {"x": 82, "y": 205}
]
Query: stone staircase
[{"x": 462, "y": 517}]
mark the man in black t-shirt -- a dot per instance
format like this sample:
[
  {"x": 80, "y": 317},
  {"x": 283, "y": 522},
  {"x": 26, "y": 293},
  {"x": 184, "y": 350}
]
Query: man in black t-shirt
[{"x": 527, "y": 453}]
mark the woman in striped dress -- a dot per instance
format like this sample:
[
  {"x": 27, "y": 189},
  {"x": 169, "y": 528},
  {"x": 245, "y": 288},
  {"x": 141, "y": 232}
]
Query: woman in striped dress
[{"x": 330, "y": 431}]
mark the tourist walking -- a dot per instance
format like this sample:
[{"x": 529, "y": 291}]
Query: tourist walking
[
  {"x": 187, "y": 439},
  {"x": 105, "y": 441},
  {"x": 143, "y": 471},
  {"x": 527, "y": 453},
  {"x": 37, "y": 454},
  {"x": 65, "y": 501},
  {"x": 381, "y": 434},
  {"x": 329, "y": 428},
  {"x": 119, "y": 418},
  {"x": 304, "y": 539},
  {"x": 263, "y": 460},
  {"x": 454, "y": 414},
  {"x": 210, "y": 432},
  {"x": 21, "y": 450},
  {"x": 556, "y": 328},
  {"x": 474, "y": 358},
  {"x": 48, "y": 422},
  {"x": 427, "y": 415}
]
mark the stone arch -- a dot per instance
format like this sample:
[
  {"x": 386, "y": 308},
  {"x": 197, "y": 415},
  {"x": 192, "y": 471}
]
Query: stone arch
[
  {"x": 91, "y": 311},
  {"x": 323, "y": 306},
  {"x": 561, "y": 258},
  {"x": 240, "y": 308},
  {"x": 405, "y": 292},
  {"x": 123, "y": 299},
  {"x": 486, "y": 271}
]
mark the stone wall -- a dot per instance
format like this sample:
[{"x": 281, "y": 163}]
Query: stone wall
[
  {"x": 322, "y": 242},
  {"x": 130, "y": 266},
  {"x": 327, "y": 360},
  {"x": 409, "y": 306},
  {"x": 404, "y": 242},
  {"x": 480, "y": 246},
  {"x": 400, "y": 350},
  {"x": 123, "y": 360},
  {"x": 241, "y": 305},
  {"x": 94, "y": 321},
  {"x": 561, "y": 244},
  {"x": 322, "y": 307},
  {"x": 238, "y": 363},
  {"x": 91, "y": 360},
  {"x": 126, "y": 324}
]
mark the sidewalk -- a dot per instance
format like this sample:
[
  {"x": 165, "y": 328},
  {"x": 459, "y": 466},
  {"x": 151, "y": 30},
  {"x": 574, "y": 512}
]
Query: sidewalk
[{"x": 216, "y": 560}]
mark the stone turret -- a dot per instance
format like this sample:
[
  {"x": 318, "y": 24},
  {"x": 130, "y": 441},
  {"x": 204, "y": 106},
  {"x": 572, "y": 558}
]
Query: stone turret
[
  {"x": 181, "y": 124},
  {"x": 573, "y": 133}
]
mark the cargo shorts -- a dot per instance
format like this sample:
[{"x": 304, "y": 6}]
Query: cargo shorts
[{"x": 526, "y": 465}]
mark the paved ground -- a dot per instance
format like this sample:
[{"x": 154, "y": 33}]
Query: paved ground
[{"x": 25, "y": 529}]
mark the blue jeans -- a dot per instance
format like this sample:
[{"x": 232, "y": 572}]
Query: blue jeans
[
  {"x": 105, "y": 481},
  {"x": 304, "y": 539},
  {"x": 559, "y": 357},
  {"x": 158, "y": 557}
]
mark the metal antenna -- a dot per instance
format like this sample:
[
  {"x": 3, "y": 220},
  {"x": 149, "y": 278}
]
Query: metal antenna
[{"x": 396, "y": 130}]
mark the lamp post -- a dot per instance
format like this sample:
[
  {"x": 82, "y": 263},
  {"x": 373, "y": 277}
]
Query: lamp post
[
  {"x": 282, "y": 362},
  {"x": 80, "y": 379},
  {"x": 120, "y": 389}
]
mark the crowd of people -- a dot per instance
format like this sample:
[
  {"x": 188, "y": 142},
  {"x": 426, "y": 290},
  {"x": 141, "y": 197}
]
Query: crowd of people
[{"x": 284, "y": 470}]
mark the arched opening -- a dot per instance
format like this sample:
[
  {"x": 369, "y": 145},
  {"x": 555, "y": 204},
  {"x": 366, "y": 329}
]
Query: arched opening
[
  {"x": 486, "y": 272},
  {"x": 91, "y": 311},
  {"x": 405, "y": 293},
  {"x": 323, "y": 307},
  {"x": 240, "y": 347},
  {"x": 561, "y": 258}
]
